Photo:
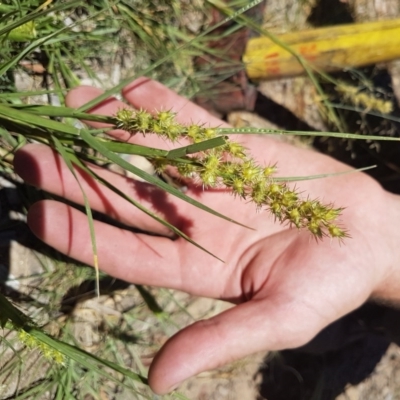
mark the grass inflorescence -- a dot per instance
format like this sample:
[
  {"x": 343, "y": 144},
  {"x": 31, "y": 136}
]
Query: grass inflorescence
[
  {"x": 230, "y": 166},
  {"x": 48, "y": 352},
  {"x": 364, "y": 99}
]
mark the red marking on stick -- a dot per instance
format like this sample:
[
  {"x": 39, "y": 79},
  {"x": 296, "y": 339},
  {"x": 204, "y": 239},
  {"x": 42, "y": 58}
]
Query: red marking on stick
[
  {"x": 273, "y": 67},
  {"x": 273, "y": 70},
  {"x": 308, "y": 51},
  {"x": 272, "y": 55}
]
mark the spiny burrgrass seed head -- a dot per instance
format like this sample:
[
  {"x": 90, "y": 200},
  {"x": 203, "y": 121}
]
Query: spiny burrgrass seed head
[
  {"x": 143, "y": 121},
  {"x": 276, "y": 209},
  {"x": 187, "y": 170},
  {"x": 251, "y": 173},
  {"x": 156, "y": 128},
  {"x": 211, "y": 163},
  {"x": 268, "y": 171},
  {"x": 209, "y": 133},
  {"x": 160, "y": 164},
  {"x": 228, "y": 169},
  {"x": 295, "y": 217},
  {"x": 259, "y": 193},
  {"x": 275, "y": 190},
  {"x": 332, "y": 213},
  {"x": 165, "y": 118},
  {"x": 231, "y": 166},
  {"x": 289, "y": 199},
  {"x": 174, "y": 131},
  {"x": 165, "y": 124},
  {"x": 235, "y": 149},
  {"x": 209, "y": 178},
  {"x": 125, "y": 119},
  {"x": 33, "y": 343},
  {"x": 314, "y": 226},
  {"x": 306, "y": 207},
  {"x": 238, "y": 187},
  {"x": 194, "y": 132},
  {"x": 337, "y": 232},
  {"x": 364, "y": 99}
]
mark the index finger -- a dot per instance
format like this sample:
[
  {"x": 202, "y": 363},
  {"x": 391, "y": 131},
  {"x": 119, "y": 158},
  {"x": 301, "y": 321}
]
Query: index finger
[{"x": 148, "y": 95}]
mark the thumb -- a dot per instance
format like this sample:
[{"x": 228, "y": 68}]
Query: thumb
[{"x": 248, "y": 328}]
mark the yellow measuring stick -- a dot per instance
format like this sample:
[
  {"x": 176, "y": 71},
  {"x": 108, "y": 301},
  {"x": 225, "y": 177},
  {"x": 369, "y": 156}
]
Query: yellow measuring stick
[{"x": 329, "y": 49}]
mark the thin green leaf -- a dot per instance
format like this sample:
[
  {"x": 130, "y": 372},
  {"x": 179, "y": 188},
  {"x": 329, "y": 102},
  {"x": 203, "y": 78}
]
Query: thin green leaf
[
  {"x": 8, "y": 137},
  {"x": 18, "y": 95},
  {"x": 150, "y": 300},
  {"x": 130, "y": 148},
  {"x": 59, "y": 147},
  {"x": 60, "y": 111},
  {"x": 150, "y": 152},
  {"x": 10, "y": 312},
  {"x": 311, "y": 177},
  {"x": 28, "y": 119},
  {"x": 303, "y": 133},
  {"x": 84, "y": 358},
  {"x": 196, "y": 147},
  {"x": 39, "y": 388}
]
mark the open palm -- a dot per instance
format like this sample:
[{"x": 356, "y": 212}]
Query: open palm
[{"x": 286, "y": 285}]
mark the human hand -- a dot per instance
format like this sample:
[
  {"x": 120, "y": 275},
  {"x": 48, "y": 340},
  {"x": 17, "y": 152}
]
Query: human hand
[{"x": 286, "y": 285}]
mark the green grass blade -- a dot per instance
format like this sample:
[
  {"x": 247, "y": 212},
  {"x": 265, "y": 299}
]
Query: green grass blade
[
  {"x": 320, "y": 176},
  {"x": 150, "y": 300},
  {"x": 31, "y": 392},
  {"x": 32, "y": 116},
  {"x": 28, "y": 93},
  {"x": 130, "y": 148},
  {"x": 196, "y": 147},
  {"x": 28, "y": 119},
  {"x": 84, "y": 358},
  {"x": 150, "y": 152},
  {"x": 10, "y": 312},
  {"x": 60, "y": 111},
  {"x": 246, "y": 130},
  {"x": 60, "y": 148}
]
